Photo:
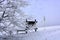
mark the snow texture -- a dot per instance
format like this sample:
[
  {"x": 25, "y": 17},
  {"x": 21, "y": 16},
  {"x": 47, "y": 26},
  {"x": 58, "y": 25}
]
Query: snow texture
[{"x": 14, "y": 19}]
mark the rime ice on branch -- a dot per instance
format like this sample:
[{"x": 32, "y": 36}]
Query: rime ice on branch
[{"x": 12, "y": 18}]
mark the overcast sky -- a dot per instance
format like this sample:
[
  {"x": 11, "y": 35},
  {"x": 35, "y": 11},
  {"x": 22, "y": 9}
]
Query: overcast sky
[{"x": 48, "y": 8}]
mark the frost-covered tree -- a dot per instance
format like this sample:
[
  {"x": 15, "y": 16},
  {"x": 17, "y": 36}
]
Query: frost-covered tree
[
  {"x": 12, "y": 18},
  {"x": 11, "y": 15}
]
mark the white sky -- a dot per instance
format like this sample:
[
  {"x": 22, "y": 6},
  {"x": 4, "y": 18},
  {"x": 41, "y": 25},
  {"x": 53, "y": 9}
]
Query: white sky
[{"x": 48, "y": 8}]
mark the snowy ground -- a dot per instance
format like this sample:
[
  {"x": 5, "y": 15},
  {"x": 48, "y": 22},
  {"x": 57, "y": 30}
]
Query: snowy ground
[{"x": 43, "y": 33}]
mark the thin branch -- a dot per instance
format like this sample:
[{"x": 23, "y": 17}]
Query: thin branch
[{"x": 4, "y": 14}]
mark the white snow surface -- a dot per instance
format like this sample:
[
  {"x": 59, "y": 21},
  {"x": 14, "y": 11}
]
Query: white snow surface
[{"x": 44, "y": 33}]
